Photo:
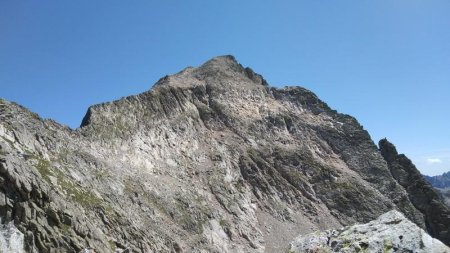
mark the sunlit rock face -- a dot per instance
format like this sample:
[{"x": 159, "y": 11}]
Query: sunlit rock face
[{"x": 211, "y": 159}]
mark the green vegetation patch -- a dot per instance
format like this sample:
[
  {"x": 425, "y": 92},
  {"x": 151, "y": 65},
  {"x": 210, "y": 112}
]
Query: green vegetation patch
[
  {"x": 190, "y": 214},
  {"x": 84, "y": 197},
  {"x": 112, "y": 244},
  {"x": 43, "y": 167},
  {"x": 65, "y": 229},
  {"x": 387, "y": 246}
]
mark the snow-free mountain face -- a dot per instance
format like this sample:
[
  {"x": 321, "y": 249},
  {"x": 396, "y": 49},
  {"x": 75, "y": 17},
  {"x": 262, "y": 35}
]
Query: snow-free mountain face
[{"x": 211, "y": 159}]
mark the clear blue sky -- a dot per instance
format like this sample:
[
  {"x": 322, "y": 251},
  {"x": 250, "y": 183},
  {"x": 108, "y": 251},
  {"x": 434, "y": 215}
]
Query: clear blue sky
[{"x": 385, "y": 62}]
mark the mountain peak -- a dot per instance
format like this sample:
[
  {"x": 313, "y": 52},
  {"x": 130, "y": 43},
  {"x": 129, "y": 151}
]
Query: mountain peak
[
  {"x": 230, "y": 59},
  {"x": 222, "y": 62},
  {"x": 387, "y": 149},
  {"x": 217, "y": 71},
  {"x": 228, "y": 65}
]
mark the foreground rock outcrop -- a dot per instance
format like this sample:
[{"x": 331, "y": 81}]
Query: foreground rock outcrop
[
  {"x": 211, "y": 159},
  {"x": 391, "y": 232}
]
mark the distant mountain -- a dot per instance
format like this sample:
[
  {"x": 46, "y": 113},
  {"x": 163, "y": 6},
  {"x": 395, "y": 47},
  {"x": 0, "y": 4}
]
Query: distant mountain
[{"x": 441, "y": 181}]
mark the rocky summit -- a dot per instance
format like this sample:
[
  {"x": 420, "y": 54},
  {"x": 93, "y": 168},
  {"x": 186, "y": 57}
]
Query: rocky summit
[{"x": 211, "y": 159}]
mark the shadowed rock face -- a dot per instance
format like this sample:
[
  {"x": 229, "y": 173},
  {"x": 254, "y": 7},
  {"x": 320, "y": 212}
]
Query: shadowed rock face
[
  {"x": 421, "y": 194},
  {"x": 211, "y": 159}
]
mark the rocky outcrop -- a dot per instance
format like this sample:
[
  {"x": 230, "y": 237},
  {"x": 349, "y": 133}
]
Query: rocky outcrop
[
  {"x": 211, "y": 159},
  {"x": 391, "y": 232},
  {"x": 421, "y": 194}
]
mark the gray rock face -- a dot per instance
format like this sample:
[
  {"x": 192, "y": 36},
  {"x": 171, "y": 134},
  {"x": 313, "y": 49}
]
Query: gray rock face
[
  {"x": 211, "y": 159},
  {"x": 391, "y": 232}
]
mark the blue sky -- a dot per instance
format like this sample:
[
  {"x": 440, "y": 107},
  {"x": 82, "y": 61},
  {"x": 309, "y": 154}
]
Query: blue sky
[{"x": 385, "y": 62}]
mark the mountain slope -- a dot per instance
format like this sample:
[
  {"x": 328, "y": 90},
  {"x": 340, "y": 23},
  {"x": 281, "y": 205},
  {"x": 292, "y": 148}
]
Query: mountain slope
[{"x": 210, "y": 159}]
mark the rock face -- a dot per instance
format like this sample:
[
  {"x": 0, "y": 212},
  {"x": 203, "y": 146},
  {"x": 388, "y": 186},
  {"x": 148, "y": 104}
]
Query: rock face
[
  {"x": 391, "y": 232},
  {"x": 211, "y": 159}
]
